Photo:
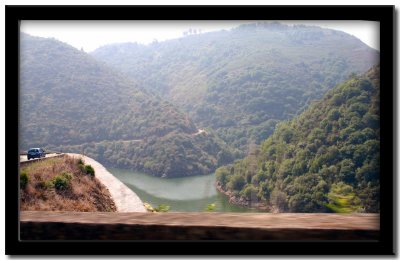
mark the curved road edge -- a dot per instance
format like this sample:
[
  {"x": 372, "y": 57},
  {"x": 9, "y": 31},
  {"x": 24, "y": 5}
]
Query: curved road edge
[{"x": 124, "y": 198}]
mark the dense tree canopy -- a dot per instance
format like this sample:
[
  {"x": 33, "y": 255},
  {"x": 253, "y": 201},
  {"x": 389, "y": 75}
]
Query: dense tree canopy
[{"x": 326, "y": 159}]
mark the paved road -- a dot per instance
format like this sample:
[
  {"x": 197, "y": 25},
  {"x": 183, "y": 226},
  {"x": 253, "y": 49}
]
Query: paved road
[{"x": 23, "y": 158}]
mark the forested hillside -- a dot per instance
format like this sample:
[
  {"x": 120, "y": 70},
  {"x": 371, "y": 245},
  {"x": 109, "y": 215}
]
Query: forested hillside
[
  {"x": 71, "y": 102},
  {"x": 325, "y": 160},
  {"x": 241, "y": 82}
]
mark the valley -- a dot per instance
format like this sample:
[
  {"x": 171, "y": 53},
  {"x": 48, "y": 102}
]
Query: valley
[{"x": 280, "y": 118}]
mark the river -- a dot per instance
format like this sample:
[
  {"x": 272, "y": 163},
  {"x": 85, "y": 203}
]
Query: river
[{"x": 181, "y": 194}]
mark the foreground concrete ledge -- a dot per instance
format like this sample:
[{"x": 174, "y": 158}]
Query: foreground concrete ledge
[{"x": 35, "y": 225}]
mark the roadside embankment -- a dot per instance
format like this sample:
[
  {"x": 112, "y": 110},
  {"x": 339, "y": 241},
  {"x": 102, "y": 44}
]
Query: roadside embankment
[
  {"x": 124, "y": 198},
  {"x": 62, "y": 184}
]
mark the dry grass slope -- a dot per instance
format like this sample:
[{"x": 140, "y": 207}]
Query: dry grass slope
[{"x": 59, "y": 184}]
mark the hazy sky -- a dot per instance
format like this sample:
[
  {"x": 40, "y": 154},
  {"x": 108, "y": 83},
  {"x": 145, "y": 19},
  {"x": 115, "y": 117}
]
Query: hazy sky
[{"x": 90, "y": 35}]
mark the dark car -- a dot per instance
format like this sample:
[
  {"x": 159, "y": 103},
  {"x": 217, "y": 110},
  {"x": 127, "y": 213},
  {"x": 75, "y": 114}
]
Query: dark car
[{"x": 36, "y": 153}]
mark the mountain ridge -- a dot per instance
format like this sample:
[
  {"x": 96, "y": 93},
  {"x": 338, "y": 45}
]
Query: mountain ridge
[
  {"x": 71, "y": 102},
  {"x": 243, "y": 81}
]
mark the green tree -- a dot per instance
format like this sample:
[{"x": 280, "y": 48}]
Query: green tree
[
  {"x": 279, "y": 199},
  {"x": 236, "y": 182},
  {"x": 249, "y": 193},
  {"x": 222, "y": 176}
]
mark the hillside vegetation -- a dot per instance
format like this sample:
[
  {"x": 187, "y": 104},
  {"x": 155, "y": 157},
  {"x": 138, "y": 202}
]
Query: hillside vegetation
[
  {"x": 62, "y": 184},
  {"x": 180, "y": 107},
  {"x": 325, "y": 160},
  {"x": 71, "y": 102},
  {"x": 241, "y": 82}
]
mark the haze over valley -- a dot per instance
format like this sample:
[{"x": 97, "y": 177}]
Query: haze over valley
[{"x": 286, "y": 117}]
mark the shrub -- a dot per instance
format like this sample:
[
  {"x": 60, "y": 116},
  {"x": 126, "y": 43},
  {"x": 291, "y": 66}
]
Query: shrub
[
  {"x": 80, "y": 162},
  {"x": 45, "y": 185},
  {"x": 279, "y": 200},
  {"x": 210, "y": 207},
  {"x": 162, "y": 208},
  {"x": 222, "y": 176},
  {"x": 89, "y": 170},
  {"x": 249, "y": 192},
  {"x": 236, "y": 182},
  {"x": 23, "y": 179},
  {"x": 63, "y": 181},
  {"x": 148, "y": 207},
  {"x": 81, "y": 167}
]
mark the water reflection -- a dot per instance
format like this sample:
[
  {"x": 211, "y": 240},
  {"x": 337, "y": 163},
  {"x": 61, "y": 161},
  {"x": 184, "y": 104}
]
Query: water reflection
[{"x": 181, "y": 194}]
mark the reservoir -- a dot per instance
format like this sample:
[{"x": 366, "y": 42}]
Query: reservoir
[{"x": 181, "y": 194}]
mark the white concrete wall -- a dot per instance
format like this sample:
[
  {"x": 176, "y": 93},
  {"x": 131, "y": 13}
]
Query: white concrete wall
[{"x": 124, "y": 198}]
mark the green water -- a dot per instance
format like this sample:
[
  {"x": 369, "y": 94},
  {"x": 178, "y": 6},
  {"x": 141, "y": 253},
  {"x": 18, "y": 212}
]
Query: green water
[{"x": 181, "y": 194}]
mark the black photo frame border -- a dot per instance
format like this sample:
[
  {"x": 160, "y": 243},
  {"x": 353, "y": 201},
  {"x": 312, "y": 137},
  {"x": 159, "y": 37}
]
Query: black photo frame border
[{"x": 382, "y": 14}]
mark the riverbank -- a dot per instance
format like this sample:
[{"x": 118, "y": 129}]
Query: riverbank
[
  {"x": 242, "y": 202},
  {"x": 188, "y": 194},
  {"x": 124, "y": 198}
]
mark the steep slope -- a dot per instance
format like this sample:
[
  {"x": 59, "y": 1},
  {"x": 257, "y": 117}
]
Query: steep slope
[
  {"x": 71, "y": 102},
  {"x": 243, "y": 81},
  {"x": 326, "y": 159}
]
